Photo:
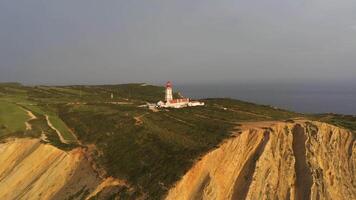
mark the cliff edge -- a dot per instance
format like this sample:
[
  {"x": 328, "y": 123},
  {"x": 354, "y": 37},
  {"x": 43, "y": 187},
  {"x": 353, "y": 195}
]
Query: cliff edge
[
  {"x": 30, "y": 169},
  {"x": 302, "y": 160}
]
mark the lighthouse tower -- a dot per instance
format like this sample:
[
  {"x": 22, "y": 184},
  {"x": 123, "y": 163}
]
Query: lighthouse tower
[
  {"x": 169, "y": 93},
  {"x": 176, "y": 103}
]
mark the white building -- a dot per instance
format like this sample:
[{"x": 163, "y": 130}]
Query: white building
[{"x": 170, "y": 102}]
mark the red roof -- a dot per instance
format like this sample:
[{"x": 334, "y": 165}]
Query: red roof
[{"x": 169, "y": 84}]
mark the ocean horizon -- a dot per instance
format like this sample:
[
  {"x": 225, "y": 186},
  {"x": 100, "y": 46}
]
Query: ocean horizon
[{"x": 339, "y": 98}]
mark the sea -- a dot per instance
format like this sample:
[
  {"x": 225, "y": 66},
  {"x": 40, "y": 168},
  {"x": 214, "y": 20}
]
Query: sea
[{"x": 338, "y": 97}]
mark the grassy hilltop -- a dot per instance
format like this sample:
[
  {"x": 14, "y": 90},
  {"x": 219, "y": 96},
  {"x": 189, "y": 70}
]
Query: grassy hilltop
[{"x": 151, "y": 150}]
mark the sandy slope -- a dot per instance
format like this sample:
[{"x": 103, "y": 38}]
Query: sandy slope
[
  {"x": 32, "y": 170},
  {"x": 285, "y": 161}
]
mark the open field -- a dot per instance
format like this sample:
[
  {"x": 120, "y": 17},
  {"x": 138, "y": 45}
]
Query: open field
[
  {"x": 14, "y": 102},
  {"x": 12, "y": 118}
]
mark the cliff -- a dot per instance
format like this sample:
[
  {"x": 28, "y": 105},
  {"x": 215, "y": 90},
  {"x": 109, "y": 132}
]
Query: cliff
[
  {"x": 32, "y": 170},
  {"x": 304, "y": 160},
  {"x": 266, "y": 160}
]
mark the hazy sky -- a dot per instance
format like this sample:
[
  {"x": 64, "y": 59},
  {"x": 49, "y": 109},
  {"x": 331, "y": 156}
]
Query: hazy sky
[{"x": 116, "y": 41}]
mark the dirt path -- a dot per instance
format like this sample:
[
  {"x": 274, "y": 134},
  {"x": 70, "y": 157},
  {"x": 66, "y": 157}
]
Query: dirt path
[
  {"x": 28, "y": 126},
  {"x": 56, "y": 130},
  {"x": 138, "y": 119},
  {"x": 265, "y": 124},
  {"x": 220, "y": 120},
  {"x": 179, "y": 120},
  {"x": 245, "y": 112},
  {"x": 250, "y": 113},
  {"x": 257, "y": 124},
  {"x": 32, "y": 117},
  {"x": 153, "y": 109}
]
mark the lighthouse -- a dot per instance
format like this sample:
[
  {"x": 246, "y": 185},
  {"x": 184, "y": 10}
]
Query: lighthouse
[
  {"x": 176, "y": 103},
  {"x": 169, "y": 93}
]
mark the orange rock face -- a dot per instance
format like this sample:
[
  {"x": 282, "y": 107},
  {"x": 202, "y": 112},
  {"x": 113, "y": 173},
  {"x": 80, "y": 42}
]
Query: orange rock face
[
  {"x": 304, "y": 160},
  {"x": 32, "y": 170}
]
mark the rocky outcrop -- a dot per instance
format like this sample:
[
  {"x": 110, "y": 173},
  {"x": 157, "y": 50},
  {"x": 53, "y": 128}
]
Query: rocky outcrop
[
  {"x": 30, "y": 169},
  {"x": 303, "y": 160}
]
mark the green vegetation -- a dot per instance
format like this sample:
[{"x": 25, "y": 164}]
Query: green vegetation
[
  {"x": 61, "y": 127},
  {"x": 345, "y": 121},
  {"x": 151, "y": 150},
  {"x": 14, "y": 101},
  {"x": 12, "y": 118}
]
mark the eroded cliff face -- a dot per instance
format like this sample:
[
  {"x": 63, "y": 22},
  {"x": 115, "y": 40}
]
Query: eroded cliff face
[
  {"x": 30, "y": 169},
  {"x": 303, "y": 160},
  {"x": 274, "y": 160}
]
